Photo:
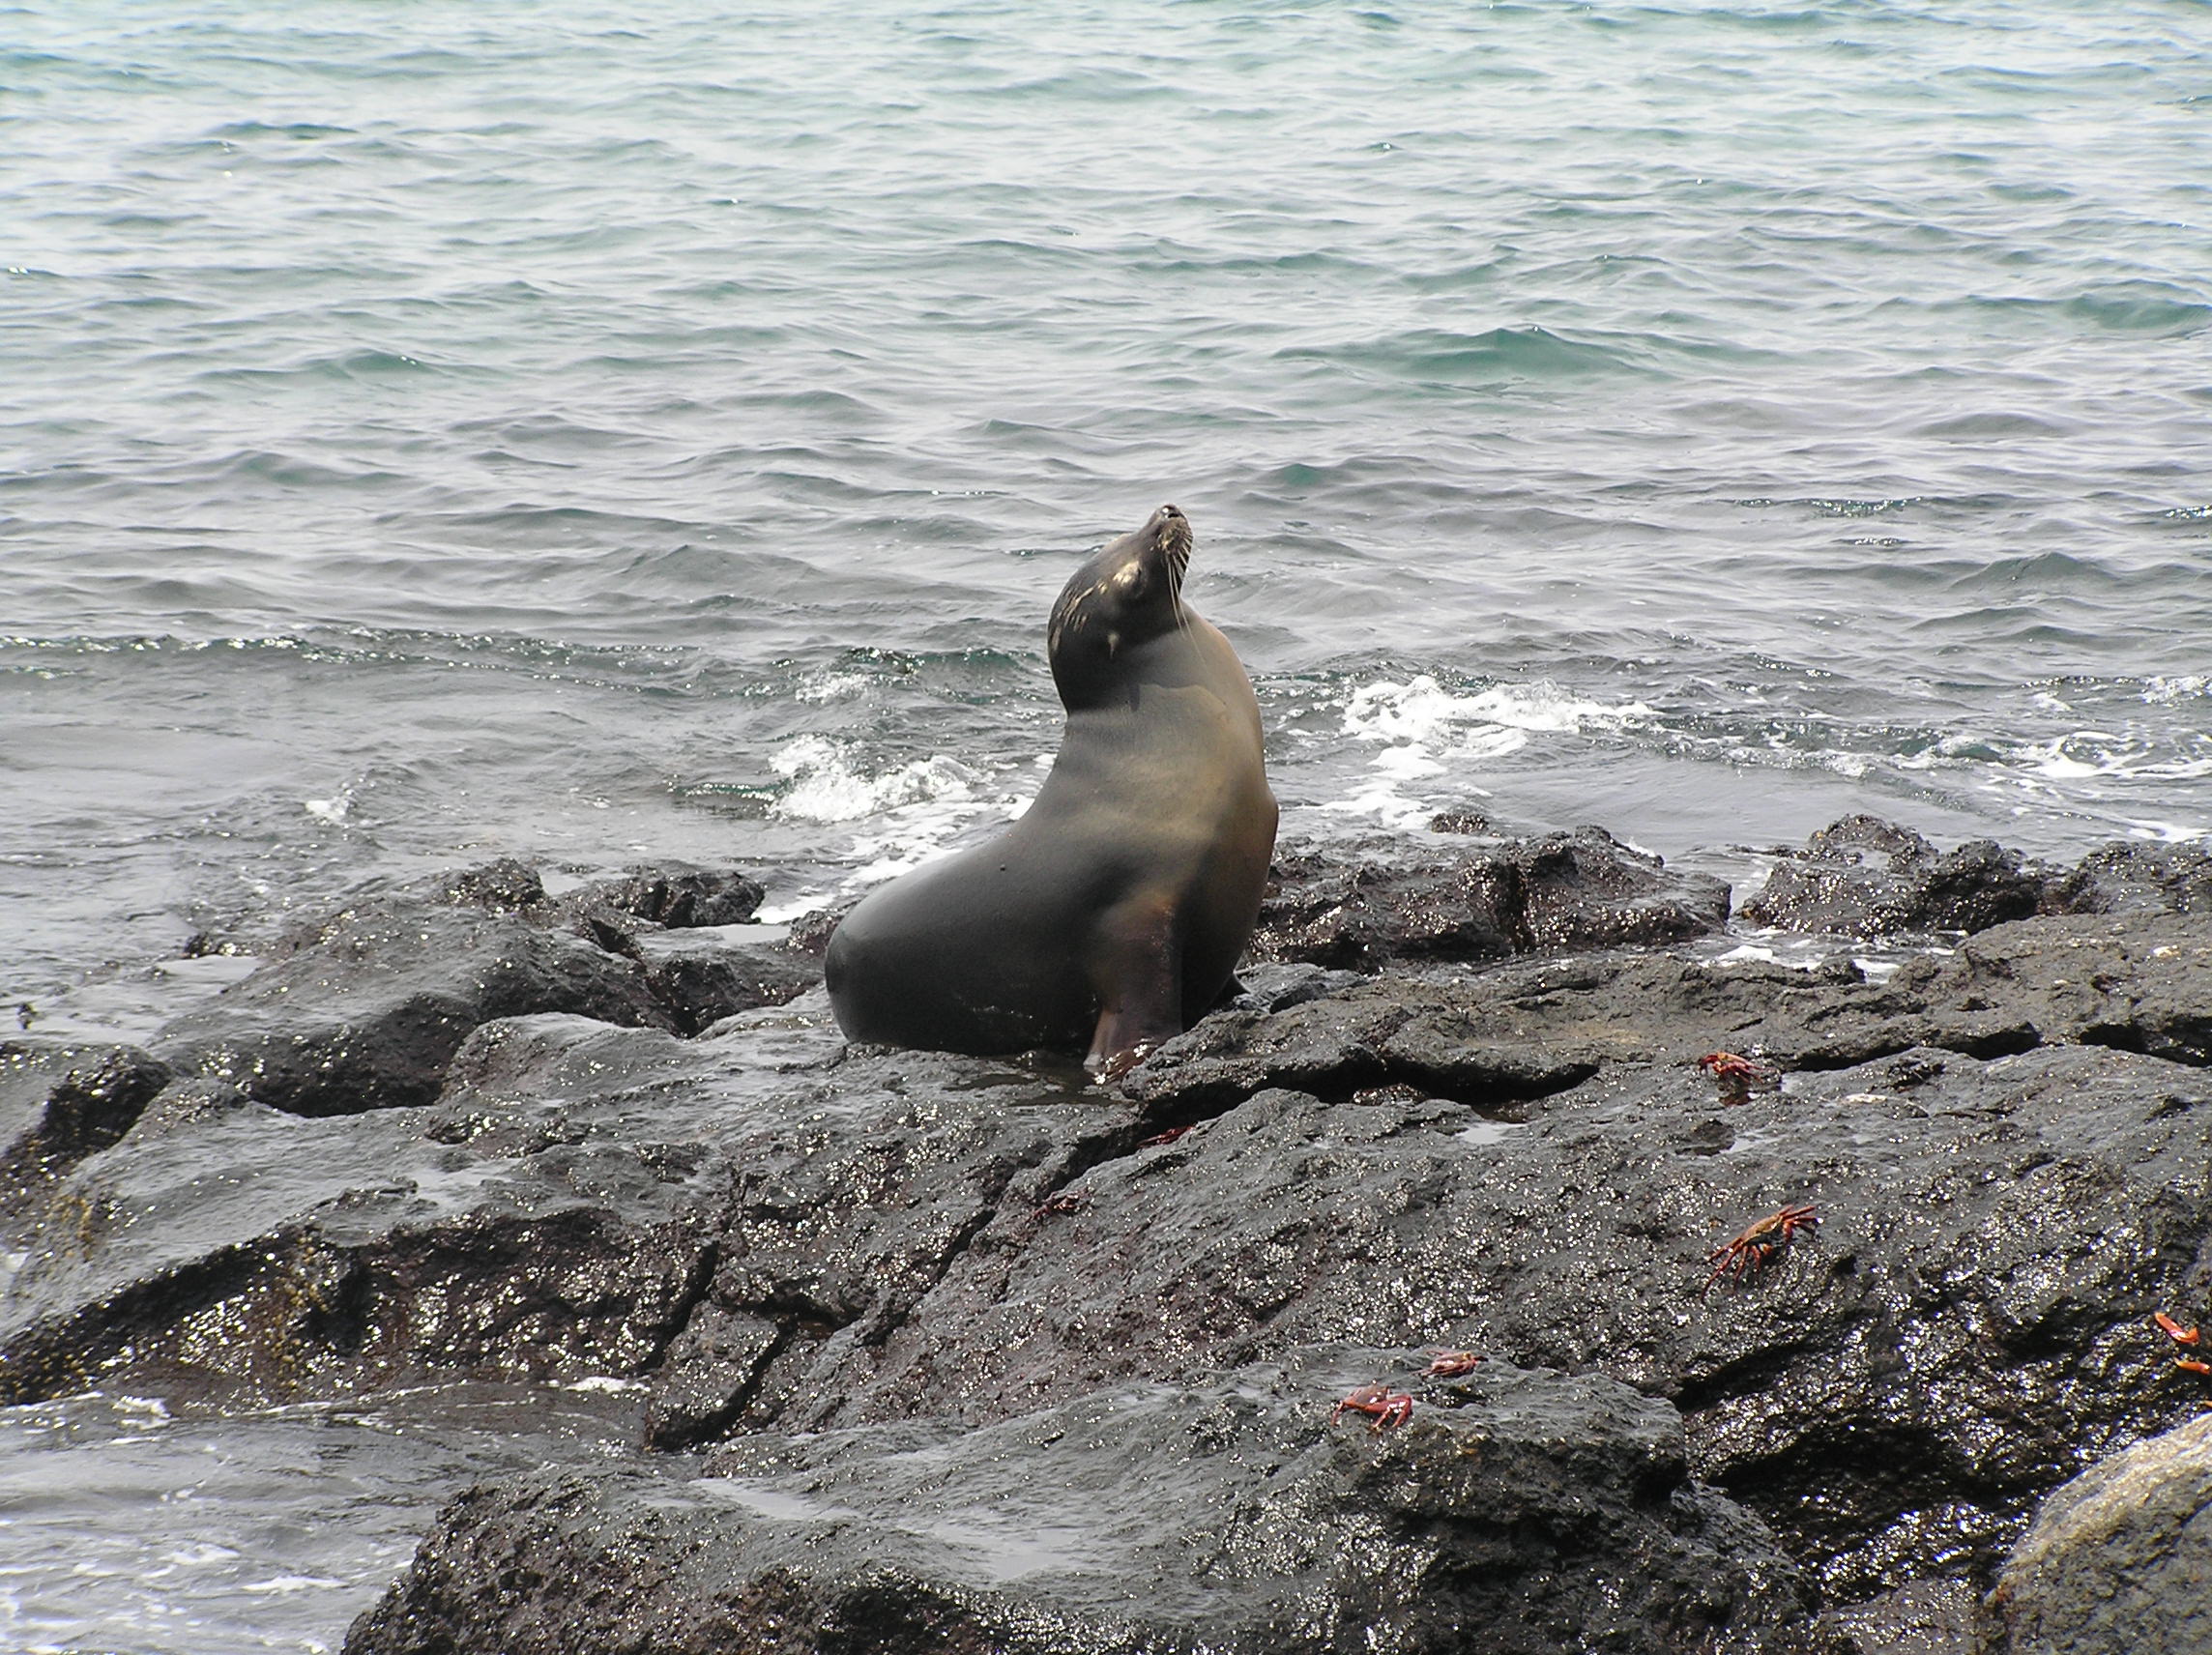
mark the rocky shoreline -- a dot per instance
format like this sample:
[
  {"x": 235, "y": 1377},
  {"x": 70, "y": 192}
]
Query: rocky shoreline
[{"x": 943, "y": 1353}]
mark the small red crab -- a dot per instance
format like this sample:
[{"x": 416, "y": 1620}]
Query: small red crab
[
  {"x": 2181, "y": 1335},
  {"x": 1735, "y": 1075},
  {"x": 1389, "y": 1408},
  {"x": 1167, "y": 1137},
  {"x": 1754, "y": 1247},
  {"x": 1450, "y": 1364}
]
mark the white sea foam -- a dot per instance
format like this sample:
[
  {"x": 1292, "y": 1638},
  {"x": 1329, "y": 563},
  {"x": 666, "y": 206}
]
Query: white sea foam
[
  {"x": 1742, "y": 953},
  {"x": 2168, "y": 833},
  {"x": 2087, "y": 753},
  {"x": 2166, "y": 692},
  {"x": 902, "y": 817},
  {"x": 825, "y": 785},
  {"x": 830, "y": 686},
  {"x": 286, "y": 1584},
  {"x": 200, "y": 1554},
  {"x": 1423, "y": 712},
  {"x": 1424, "y": 730},
  {"x": 2057, "y": 760}
]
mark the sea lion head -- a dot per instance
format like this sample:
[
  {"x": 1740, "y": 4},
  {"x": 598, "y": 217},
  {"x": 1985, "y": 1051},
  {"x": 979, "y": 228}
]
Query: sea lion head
[{"x": 1128, "y": 593}]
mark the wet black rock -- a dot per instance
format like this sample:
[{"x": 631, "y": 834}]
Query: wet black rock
[
  {"x": 701, "y": 978},
  {"x": 810, "y": 933},
  {"x": 1964, "y": 1329},
  {"x": 364, "y": 1010},
  {"x": 61, "y": 1101},
  {"x": 1524, "y": 1030},
  {"x": 1526, "y": 1511},
  {"x": 1475, "y": 897},
  {"x": 2135, "y": 878},
  {"x": 800, "y": 1248},
  {"x": 1865, "y": 877},
  {"x": 1922, "y": 1617},
  {"x": 847, "y": 1202},
  {"x": 677, "y": 895},
  {"x": 502, "y": 886},
  {"x": 2119, "y": 1561},
  {"x": 223, "y": 1252}
]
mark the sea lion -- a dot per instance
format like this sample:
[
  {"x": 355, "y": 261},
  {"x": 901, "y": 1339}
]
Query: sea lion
[{"x": 1115, "y": 910}]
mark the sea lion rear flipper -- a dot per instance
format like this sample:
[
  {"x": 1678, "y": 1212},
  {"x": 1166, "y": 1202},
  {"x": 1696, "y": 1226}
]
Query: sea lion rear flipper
[{"x": 1136, "y": 967}]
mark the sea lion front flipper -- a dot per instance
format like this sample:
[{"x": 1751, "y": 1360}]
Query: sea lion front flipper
[{"x": 1137, "y": 966}]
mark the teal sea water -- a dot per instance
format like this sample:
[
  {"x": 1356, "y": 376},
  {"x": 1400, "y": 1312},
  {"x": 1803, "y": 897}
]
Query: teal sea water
[{"x": 584, "y": 430}]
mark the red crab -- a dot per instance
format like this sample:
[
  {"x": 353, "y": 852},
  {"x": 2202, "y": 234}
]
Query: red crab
[
  {"x": 1754, "y": 1247},
  {"x": 1450, "y": 1364},
  {"x": 1391, "y": 1409},
  {"x": 1735, "y": 1075},
  {"x": 2181, "y": 1335}
]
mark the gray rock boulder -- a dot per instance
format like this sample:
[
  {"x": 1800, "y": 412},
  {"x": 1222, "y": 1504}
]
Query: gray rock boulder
[
  {"x": 2006, "y": 1144},
  {"x": 1865, "y": 877},
  {"x": 61, "y": 1101},
  {"x": 1475, "y": 897},
  {"x": 363, "y": 1009},
  {"x": 2119, "y": 1561},
  {"x": 2134, "y": 876},
  {"x": 1527, "y": 1513}
]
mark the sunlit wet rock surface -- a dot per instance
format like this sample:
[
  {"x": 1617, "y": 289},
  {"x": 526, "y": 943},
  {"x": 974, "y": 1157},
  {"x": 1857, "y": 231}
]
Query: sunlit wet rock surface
[
  {"x": 2119, "y": 1561},
  {"x": 470, "y": 1132},
  {"x": 1526, "y": 1511}
]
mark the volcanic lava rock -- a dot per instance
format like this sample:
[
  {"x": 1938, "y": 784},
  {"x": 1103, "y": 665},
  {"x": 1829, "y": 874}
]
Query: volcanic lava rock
[
  {"x": 61, "y": 1101},
  {"x": 677, "y": 895},
  {"x": 702, "y": 977},
  {"x": 1473, "y": 897},
  {"x": 364, "y": 1010},
  {"x": 2135, "y": 878},
  {"x": 806, "y": 1252},
  {"x": 2119, "y": 1561},
  {"x": 240, "y": 1255},
  {"x": 227, "y": 1252},
  {"x": 1865, "y": 877},
  {"x": 1963, "y": 1331},
  {"x": 1530, "y": 1513},
  {"x": 1521, "y": 1031}
]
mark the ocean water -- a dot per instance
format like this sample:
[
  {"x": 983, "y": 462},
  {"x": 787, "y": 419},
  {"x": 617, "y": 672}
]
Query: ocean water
[{"x": 593, "y": 431}]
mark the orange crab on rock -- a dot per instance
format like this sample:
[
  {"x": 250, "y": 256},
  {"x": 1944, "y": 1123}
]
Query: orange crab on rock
[
  {"x": 1450, "y": 1364},
  {"x": 1755, "y": 1245},
  {"x": 2191, "y": 1335},
  {"x": 1389, "y": 1409},
  {"x": 1735, "y": 1075}
]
